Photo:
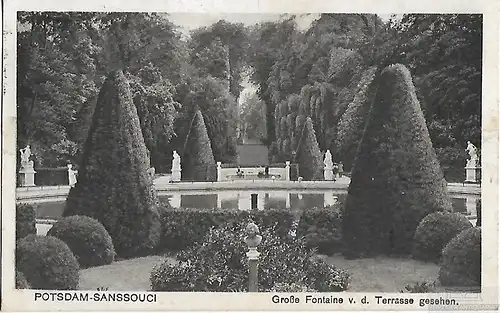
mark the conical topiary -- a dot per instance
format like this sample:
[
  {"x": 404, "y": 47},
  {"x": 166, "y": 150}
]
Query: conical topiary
[
  {"x": 113, "y": 184},
  {"x": 199, "y": 162},
  {"x": 308, "y": 154},
  {"x": 397, "y": 179}
]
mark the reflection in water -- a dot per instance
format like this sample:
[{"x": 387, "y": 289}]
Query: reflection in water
[{"x": 241, "y": 200}]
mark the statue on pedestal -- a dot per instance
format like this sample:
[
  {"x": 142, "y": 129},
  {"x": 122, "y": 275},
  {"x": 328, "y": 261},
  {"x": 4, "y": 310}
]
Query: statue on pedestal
[
  {"x": 26, "y": 163},
  {"x": 472, "y": 151}
]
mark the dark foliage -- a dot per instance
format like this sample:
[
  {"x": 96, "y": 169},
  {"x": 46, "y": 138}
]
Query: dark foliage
[
  {"x": 113, "y": 184},
  {"x": 47, "y": 263},
  {"x": 198, "y": 161},
  {"x": 25, "y": 220},
  {"x": 461, "y": 265},
  {"x": 353, "y": 121},
  {"x": 322, "y": 229},
  {"x": 87, "y": 238},
  {"x": 397, "y": 179},
  {"x": 308, "y": 154},
  {"x": 51, "y": 176},
  {"x": 21, "y": 281},
  {"x": 220, "y": 264},
  {"x": 434, "y": 232}
]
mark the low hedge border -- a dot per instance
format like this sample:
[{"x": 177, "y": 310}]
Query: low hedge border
[
  {"x": 322, "y": 228},
  {"x": 25, "y": 220},
  {"x": 185, "y": 227}
]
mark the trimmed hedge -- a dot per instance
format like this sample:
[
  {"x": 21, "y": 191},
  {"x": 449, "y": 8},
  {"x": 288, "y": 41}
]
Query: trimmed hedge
[
  {"x": 47, "y": 263},
  {"x": 220, "y": 264},
  {"x": 200, "y": 155},
  {"x": 322, "y": 229},
  {"x": 25, "y": 220},
  {"x": 21, "y": 281},
  {"x": 87, "y": 238},
  {"x": 185, "y": 227},
  {"x": 113, "y": 184},
  {"x": 397, "y": 179},
  {"x": 434, "y": 232},
  {"x": 461, "y": 264},
  {"x": 308, "y": 155}
]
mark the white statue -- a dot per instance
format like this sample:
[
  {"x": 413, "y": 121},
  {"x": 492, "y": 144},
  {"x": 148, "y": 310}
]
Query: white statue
[
  {"x": 472, "y": 151},
  {"x": 328, "y": 170},
  {"x": 71, "y": 175},
  {"x": 176, "y": 161},
  {"x": 176, "y": 167},
  {"x": 328, "y": 159},
  {"x": 25, "y": 157}
]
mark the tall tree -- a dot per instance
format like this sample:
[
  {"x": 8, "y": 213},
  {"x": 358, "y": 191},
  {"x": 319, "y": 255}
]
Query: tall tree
[
  {"x": 308, "y": 154},
  {"x": 397, "y": 179},
  {"x": 199, "y": 163},
  {"x": 113, "y": 184}
]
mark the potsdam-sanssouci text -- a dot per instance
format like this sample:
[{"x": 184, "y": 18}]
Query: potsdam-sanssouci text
[{"x": 95, "y": 297}]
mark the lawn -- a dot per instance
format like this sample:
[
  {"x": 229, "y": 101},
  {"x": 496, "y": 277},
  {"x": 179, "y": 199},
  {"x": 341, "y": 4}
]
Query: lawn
[
  {"x": 384, "y": 274},
  {"x": 381, "y": 274}
]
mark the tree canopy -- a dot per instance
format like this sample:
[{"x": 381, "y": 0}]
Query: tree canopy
[{"x": 297, "y": 72}]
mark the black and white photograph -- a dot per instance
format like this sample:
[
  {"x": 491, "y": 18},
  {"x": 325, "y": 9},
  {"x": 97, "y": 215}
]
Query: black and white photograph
[{"x": 307, "y": 154}]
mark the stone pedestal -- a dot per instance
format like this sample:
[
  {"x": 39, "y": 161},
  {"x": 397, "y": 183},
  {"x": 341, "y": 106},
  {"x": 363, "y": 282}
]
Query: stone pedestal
[
  {"x": 471, "y": 174},
  {"x": 219, "y": 200},
  {"x": 27, "y": 176},
  {"x": 471, "y": 206},
  {"x": 175, "y": 201},
  {"x": 219, "y": 171},
  {"x": 330, "y": 199},
  {"x": 328, "y": 173}
]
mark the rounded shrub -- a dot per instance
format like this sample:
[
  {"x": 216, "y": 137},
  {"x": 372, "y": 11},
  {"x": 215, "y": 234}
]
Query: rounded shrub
[
  {"x": 434, "y": 232},
  {"x": 25, "y": 220},
  {"x": 21, "y": 281},
  {"x": 47, "y": 263},
  {"x": 220, "y": 264},
  {"x": 461, "y": 262},
  {"x": 87, "y": 238}
]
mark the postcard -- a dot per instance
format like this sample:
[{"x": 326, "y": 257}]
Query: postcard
[{"x": 262, "y": 155}]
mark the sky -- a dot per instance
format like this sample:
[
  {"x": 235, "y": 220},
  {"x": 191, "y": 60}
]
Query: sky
[{"x": 191, "y": 21}]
